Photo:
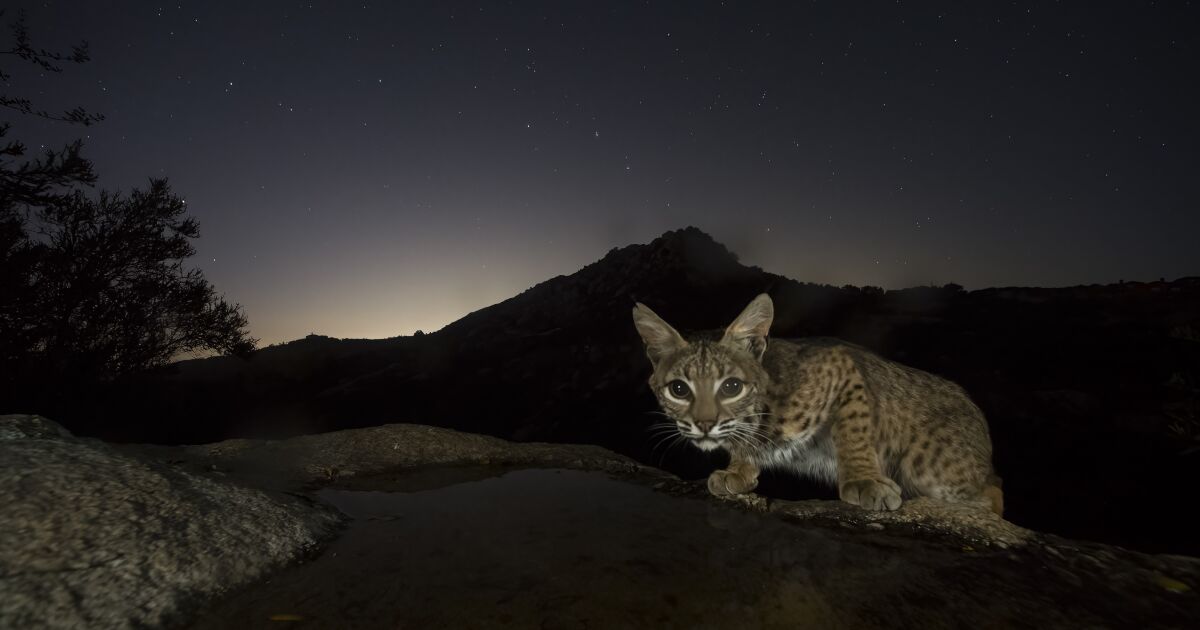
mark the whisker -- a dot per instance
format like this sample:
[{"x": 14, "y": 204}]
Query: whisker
[
  {"x": 753, "y": 440},
  {"x": 754, "y": 427},
  {"x": 741, "y": 441},
  {"x": 672, "y": 444},
  {"x": 749, "y": 436},
  {"x": 661, "y": 440},
  {"x": 754, "y": 430},
  {"x": 737, "y": 440},
  {"x": 760, "y": 435}
]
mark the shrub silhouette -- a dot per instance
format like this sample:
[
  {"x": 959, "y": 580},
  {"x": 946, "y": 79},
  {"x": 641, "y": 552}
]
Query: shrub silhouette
[{"x": 92, "y": 286}]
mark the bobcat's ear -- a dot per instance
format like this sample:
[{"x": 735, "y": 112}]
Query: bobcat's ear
[
  {"x": 658, "y": 335},
  {"x": 749, "y": 330}
]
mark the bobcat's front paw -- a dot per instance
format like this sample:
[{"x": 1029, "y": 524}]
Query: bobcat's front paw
[
  {"x": 729, "y": 482},
  {"x": 871, "y": 494}
]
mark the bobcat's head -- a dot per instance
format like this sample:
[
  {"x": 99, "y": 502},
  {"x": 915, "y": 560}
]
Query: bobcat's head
[{"x": 711, "y": 389}]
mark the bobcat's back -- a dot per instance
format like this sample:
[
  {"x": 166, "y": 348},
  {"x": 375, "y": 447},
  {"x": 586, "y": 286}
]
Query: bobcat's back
[{"x": 925, "y": 431}]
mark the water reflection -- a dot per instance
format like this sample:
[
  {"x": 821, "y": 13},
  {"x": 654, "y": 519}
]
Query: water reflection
[{"x": 571, "y": 549}]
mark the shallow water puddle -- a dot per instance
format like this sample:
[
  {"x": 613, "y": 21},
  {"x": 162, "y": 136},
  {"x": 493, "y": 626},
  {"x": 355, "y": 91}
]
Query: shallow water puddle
[{"x": 571, "y": 549}]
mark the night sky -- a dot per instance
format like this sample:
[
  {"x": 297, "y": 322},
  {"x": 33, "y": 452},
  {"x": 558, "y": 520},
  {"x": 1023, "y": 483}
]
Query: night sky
[{"x": 366, "y": 170}]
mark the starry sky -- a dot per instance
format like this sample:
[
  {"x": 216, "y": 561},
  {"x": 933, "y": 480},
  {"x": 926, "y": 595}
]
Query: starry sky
[{"x": 370, "y": 169}]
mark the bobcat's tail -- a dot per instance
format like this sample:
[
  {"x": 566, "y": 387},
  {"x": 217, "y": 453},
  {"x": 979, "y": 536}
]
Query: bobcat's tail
[{"x": 993, "y": 493}]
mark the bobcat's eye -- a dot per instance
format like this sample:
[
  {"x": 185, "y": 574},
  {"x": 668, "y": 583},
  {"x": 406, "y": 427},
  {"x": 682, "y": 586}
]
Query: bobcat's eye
[
  {"x": 679, "y": 389},
  {"x": 731, "y": 387}
]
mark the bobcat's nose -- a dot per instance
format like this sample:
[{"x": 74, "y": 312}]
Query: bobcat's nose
[{"x": 705, "y": 426}]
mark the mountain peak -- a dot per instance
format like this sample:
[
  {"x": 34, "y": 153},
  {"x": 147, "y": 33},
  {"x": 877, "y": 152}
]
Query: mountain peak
[
  {"x": 692, "y": 249},
  {"x": 686, "y": 249},
  {"x": 689, "y": 233},
  {"x": 691, "y": 241}
]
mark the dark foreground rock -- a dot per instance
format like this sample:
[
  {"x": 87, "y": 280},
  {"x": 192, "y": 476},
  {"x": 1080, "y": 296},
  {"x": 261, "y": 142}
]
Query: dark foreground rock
[
  {"x": 93, "y": 538},
  {"x": 97, "y": 535}
]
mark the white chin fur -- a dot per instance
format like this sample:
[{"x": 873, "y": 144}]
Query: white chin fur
[{"x": 706, "y": 444}]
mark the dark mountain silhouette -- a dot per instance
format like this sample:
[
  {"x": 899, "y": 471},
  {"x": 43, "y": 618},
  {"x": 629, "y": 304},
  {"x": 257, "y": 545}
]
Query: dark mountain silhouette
[{"x": 1091, "y": 392}]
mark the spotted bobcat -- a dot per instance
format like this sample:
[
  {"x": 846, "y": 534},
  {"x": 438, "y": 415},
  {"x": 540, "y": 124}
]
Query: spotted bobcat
[{"x": 823, "y": 408}]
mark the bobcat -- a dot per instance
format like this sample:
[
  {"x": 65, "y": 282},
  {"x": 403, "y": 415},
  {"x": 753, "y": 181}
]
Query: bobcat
[{"x": 823, "y": 408}]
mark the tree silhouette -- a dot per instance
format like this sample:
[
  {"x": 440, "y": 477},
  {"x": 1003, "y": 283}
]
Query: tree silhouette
[
  {"x": 113, "y": 294},
  {"x": 93, "y": 285},
  {"x": 47, "y": 61}
]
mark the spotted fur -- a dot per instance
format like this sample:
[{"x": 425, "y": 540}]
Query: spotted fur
[{"x": 823, "y": 408}]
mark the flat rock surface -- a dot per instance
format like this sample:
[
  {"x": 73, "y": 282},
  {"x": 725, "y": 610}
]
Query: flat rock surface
[{"x": 340, "y": 454}]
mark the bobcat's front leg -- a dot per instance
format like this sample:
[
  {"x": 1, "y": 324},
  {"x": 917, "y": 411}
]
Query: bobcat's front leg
[
  {"x": 740, "y": 477},
  {"x": 860, "y": 479}
]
